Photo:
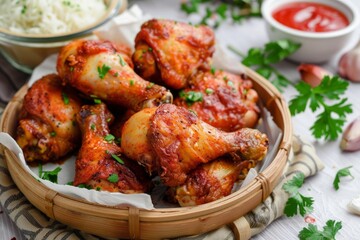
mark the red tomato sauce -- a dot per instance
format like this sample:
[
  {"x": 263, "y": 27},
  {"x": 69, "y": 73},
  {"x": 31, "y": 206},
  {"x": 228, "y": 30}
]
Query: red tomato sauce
[{"x": 310, "y": 17}]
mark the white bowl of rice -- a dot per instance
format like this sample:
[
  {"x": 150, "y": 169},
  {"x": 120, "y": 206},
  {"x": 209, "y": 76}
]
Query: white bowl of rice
[{"x": 31, "y": 30}]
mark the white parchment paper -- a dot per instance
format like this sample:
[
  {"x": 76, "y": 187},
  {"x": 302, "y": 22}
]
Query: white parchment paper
[{"x": 123, "y": 29}]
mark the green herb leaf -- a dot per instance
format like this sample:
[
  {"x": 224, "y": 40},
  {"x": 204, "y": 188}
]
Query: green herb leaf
[
  {"x": 65, "y": 98},
  {"x": 117, "y": 158},
  {"x": 191, "y": 97},
  {"x": 150, "y": 85},
  {"x": 297, "y": 203},
  {"x": 114, "y": 178},
  {"x": 102, "y": 71},
  {"x": 328, "y": 233},
  {"x": 83, "y": 185},
  {"x": 122, "y": 62},
  {"x": 260, "y": 59},
  {"x": 52, "y": 176},
  {"x": 344, "y": 172},
  {"x": 53, "y": 133},
  {"x": 92, "y": 126},
  {"x": 97, "y": 101},
  {"x": 109, "y": 138},
  {"x": 330, "y": 120},
  {"x": 209, "y": 91}
]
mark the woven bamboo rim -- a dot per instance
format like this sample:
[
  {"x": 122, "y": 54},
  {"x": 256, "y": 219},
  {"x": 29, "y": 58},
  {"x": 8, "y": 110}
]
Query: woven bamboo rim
[{"x": 131, "y": 222}]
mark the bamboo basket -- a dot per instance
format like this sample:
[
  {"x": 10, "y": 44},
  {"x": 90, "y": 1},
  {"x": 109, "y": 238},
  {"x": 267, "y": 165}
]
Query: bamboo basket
[{"x": 131, "y": 222}]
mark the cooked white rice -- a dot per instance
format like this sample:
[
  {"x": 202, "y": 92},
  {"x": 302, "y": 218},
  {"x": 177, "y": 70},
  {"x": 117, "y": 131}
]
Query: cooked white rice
[{"x": 49, "y": 16}]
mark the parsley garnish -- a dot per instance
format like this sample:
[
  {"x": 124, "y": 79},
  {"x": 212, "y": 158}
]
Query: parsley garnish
[
  {"x": 191, "y": 97},
  {"x": 216, "y": 13},
  {"x": 93, "y": 126},
  {"x": 209, "y": 91},
  {"x": 52, "y": 176},
  {"x": 53, "y": 133},
  {"x": 329, "y": 122},
  {"x": 344, "y": 172},
  {"x": 103, "y": 70},
  {"x": 261, "y": 59},
  {"x": 65, "y": 98},
  {"x": 150, "y": 85},
  {"x": 83, "y": 185},
  {"x": 119, "y": 160},
  {"x": 296, "y": 202},
  {"x": 212, "y": 70},
  {"x": 109, "y": 138},
  {"x": 122, "y": 62},
  {"x": 97, "y": 101},
  {"x": 131, "y": 82},
  {"x": 313, "y": 233},
  {"x": 114, "y": 178}
]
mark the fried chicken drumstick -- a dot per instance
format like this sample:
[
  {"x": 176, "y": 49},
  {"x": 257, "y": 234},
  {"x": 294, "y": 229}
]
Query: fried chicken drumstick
[
  {"x": 100, "y": 163},
  {"x": 180, "y": 142},
  {"x": 210, "y": 181},
  {"x": 169, "y": 52},
  {"x": 47, "y": 129},
  {"x": 104, "y": 70}
]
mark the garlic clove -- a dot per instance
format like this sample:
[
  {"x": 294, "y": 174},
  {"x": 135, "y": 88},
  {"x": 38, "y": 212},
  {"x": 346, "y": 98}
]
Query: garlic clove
[
  {"x": 312, "y": 74},
  {"x": 349, "y": 65},
  {"x": 354, "y": 205},
  {"x": 351, "y": 137}
]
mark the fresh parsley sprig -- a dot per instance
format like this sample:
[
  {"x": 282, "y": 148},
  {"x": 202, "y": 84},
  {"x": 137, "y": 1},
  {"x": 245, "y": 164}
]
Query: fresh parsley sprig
[
  {"x": 217, "y": 12},
  {"x": 297, "y": 203},
  {"x": 262, "y": 59},
  {"x": 313, "y": 233},
  {"x": 330, "y": 121},
  {"x": 52, "y": 176},
  {"x": 344, "y": 172}
]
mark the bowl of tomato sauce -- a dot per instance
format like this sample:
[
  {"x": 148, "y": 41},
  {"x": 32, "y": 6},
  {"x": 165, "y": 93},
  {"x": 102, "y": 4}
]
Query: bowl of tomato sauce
[{"x": 323, "y": 27}]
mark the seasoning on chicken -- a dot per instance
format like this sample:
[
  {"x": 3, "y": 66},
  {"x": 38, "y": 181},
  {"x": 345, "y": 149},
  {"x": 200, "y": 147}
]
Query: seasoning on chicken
[
  {"x": 210, "y": 181},
  {"x": 221, "y": 99},
  {"x": 47, "y": 129},
  {"x": 100, "y": 163},
  {"x": 169, "y": 52},
  {"x": 104, "y": 70},
  {"x": 181, "y": 142}
]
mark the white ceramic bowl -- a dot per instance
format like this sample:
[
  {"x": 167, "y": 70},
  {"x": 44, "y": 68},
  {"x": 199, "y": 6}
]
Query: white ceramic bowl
[
  {"x": 26, "y": 51},
  {"x": 316, "y": 47}
]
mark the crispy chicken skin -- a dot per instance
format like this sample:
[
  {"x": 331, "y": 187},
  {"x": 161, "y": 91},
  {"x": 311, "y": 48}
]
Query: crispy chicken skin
[
  {"x": 228, "y": 102},
  {"x": 47, "y": 129},
  {"x": 105, "y": 70},
  {"x": 181, "y": 142},
  {"x": 210, "y": 181},
  {"x": 96, "y": 161},
  {"x": 169, "y": 52}
]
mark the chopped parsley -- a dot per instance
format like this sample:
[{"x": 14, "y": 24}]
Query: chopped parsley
[
  {"x": 51, "y": 176},
  {"x": 117, "y": 158},
  {"x": 53, "y": 133},
  {"x": 209, "y": 91},
  {"x": 191, "y": 97},
  {"x": 150, "y": 85},
  {"x": 122, "y": 62},
  {"x": 131, "y": 82},
  {"x": 92, "y": 126},
  {"x": 97, "y": 101},
  {"x": 65, "y": 98},
  {"x": 103, "y": 70},
  {"x": 344, "y": 172},
  {"x": 113, "y": 178},
  {"x": 109, "y": 138}
]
